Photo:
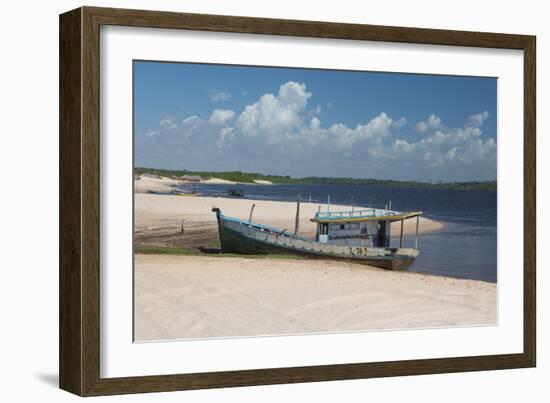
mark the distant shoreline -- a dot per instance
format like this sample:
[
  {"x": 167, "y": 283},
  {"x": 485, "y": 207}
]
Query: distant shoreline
[{"x": 237, "y": 177}]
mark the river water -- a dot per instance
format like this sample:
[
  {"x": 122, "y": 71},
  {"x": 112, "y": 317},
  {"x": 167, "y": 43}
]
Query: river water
[{"x": 465, "y": 248}]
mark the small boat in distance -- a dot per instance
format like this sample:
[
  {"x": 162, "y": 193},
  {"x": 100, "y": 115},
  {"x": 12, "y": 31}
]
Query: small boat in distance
[
  {"x": 359, "y": 235},
  {"x": 235, "y": 193},
  {"x": 175, "y": 192},
  {"x": 188, "y": 191},
  {"x": 192, "y": 194},
  {"x": 158, "y": 192}
]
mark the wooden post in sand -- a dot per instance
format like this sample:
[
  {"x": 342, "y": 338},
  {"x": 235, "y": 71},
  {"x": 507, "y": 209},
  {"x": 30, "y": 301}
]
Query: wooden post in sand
[
  {"x": 251, "y": 211},
  {"x": 182, "y": 230},
  {"x": 416, "y": 237},
  {"x": 401, "y": 236},
  {"x": 297, "y": 225}
]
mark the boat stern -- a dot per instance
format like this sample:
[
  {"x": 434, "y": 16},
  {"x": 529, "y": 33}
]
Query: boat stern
[{"x": 404, "y": 258}]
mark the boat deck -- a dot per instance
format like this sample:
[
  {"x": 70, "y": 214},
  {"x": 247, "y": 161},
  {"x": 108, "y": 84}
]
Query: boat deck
[{"x": 363, "y": 215}]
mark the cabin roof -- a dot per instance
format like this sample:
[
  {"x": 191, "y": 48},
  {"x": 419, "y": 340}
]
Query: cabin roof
[{"x": 363, "y": 215}]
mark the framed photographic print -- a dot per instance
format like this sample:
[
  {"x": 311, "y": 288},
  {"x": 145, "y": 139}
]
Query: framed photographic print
[{"x": 250, "y": 201}]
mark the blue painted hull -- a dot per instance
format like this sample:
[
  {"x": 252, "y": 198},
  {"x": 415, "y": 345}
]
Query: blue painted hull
[{"x": 253, "y": 239}]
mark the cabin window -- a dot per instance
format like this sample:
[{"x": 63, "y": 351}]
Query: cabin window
[
  {"x": 324, "y": 229},
  {"x": 342, "y": 226}
]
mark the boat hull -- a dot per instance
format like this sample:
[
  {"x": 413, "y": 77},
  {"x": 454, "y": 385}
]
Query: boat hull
[
  {"x": 251, "y": 239},
  {"x": 155, "y": 192}
]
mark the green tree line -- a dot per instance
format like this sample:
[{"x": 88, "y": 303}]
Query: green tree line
[{"x": 249, "y": 177}]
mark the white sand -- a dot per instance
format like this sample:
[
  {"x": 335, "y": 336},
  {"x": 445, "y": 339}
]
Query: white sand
[
  {"x": 161, "y": 211},
  {"x": 180, "y": 297},
  {"x": 218, "y": 181},
  {"x": 207, "y": 296},
  {"x": 146, "y": 183}
]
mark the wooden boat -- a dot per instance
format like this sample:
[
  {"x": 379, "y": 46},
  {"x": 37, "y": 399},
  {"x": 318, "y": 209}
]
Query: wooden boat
[
  {"x": 175, "y": 192},
  {"x": 158, "y": 192},
  {"x": 235, "y": 193},
  {"x": 187, "y": 194},
  {"x": 188, "y": 191},
  {"x": 359, "y": 235}
]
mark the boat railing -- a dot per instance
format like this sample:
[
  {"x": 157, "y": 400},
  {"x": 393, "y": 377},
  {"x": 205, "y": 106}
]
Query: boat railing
[
  {"x": 266, "y": 228},
  {"x": 324, "y": 215}
]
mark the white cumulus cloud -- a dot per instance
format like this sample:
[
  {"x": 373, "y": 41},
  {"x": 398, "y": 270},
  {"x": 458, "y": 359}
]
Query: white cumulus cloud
[
  {"x": 478, "y": 119},
  {"x": 221, "y": 116},
  {"x": 277, "y": 134},
  {"x": 398, "y": 124},
  {"x": 432, "y": 123},
  {"x": 217, "y": 96},
  {"x": 273, "y": 118}
]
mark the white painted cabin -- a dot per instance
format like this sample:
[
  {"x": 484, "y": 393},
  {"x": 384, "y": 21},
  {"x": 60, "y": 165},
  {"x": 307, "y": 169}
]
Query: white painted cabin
[{"x": 370, "y": 228}]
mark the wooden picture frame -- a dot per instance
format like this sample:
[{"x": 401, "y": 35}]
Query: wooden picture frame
[{"x": 79, "y": 346}]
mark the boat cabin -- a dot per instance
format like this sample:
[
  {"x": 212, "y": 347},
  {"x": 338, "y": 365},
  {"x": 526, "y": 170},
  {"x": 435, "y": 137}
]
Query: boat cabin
[{"x": 370, "y": 228}]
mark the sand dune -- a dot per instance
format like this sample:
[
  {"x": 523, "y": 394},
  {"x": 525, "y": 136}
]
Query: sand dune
[
  {"x": 218, "y": 181},
  {"x": 146, "y": 183}
]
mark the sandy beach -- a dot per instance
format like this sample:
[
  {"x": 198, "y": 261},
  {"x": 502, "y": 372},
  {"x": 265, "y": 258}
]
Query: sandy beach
[
  {"x": 164, "y": 184},
  {"x": 180, "y": 297},
  {"x": 164, "y": 214},
  {"x": 146, "y": 183},
  {"x": 199, "y": 293}
]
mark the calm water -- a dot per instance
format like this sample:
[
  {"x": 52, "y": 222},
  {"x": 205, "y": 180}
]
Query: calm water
[{"x": 465, "y": 248}]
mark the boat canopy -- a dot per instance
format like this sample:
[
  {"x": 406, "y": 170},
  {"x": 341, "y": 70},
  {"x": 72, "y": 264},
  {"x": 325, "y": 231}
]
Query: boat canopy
[{"x": 370, "y": 214}]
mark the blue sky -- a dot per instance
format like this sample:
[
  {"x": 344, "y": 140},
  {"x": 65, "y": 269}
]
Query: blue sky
[{"x": 304, "y": 122}]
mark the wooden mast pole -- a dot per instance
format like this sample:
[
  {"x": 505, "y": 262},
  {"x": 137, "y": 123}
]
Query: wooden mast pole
[
  {"x": 251, "y": 211},
  {"x": 297, "y": 225},
  {"x": 401, "y": 235},
  {"x": 416, "y": 237}
]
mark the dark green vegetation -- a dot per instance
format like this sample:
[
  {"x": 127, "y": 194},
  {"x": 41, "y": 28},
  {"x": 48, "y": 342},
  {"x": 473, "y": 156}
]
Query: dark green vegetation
[
  {"x": 171, "y": 250},
  {"x": 163, "y": 250},
  {"x": 249, "y": 177}
]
